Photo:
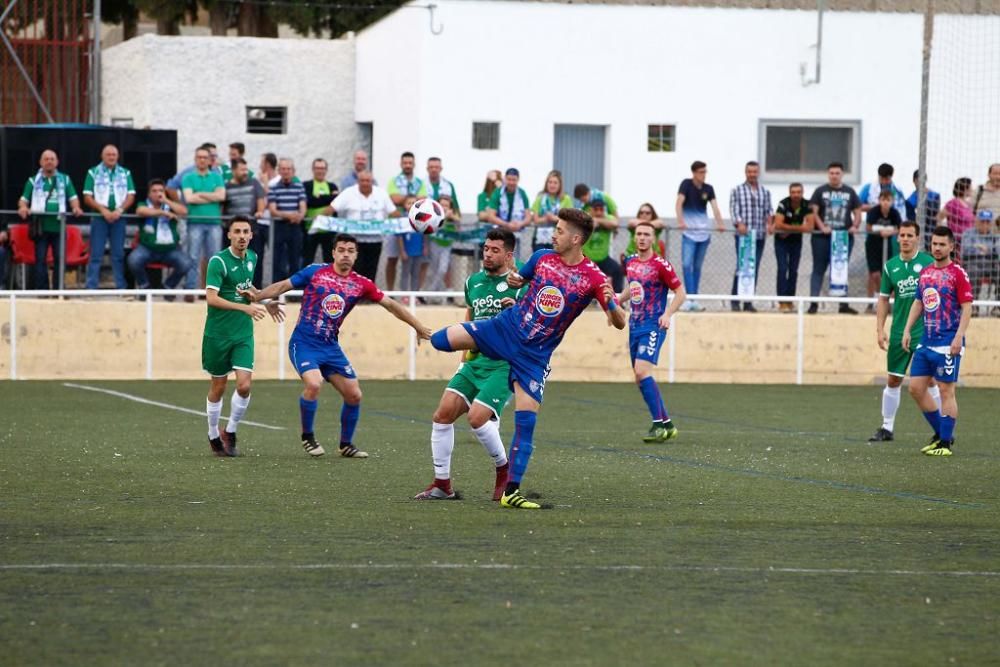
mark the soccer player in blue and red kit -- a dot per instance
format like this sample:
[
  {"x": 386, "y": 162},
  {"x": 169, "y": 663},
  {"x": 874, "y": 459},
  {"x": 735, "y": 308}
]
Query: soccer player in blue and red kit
[
  {"x": 650, "y": 280},
  {"x": 944, "y": 297},
  {"x": 561, "y": 284},
  {"x": 330, "y": 292}
]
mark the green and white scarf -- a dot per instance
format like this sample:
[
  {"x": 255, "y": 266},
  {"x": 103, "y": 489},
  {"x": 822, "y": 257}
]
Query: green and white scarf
[
  {"x": 40, "y": 198},
  {"x": 107, "y": 182},
  {"x": 506, "y": 212}
]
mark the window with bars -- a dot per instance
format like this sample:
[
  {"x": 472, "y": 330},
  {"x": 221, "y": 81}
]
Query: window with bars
[
  {"x": 661, "y": 139},
  {"x": 485, "y": 136},
  {"x": 267, "y": 120}
]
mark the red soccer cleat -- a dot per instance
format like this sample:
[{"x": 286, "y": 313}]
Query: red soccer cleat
[{"x": 501, "y": 482}]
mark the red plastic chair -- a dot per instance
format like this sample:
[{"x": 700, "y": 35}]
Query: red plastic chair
[
  {"x": 23, "y": 251},
  {"x": 155, "y": 266}
]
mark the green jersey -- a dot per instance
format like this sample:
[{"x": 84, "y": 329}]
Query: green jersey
[
  {"x": 226, "y": 273},
  {"x": 901, "y": 276},
  {"x": 483, "y": 293}
]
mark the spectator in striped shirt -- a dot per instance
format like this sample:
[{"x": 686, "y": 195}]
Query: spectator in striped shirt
[
  {"x": 286, "y": 200},
  {"x": 751, "y": 210}
]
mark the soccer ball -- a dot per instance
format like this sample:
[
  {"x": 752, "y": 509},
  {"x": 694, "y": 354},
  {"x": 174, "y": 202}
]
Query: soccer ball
[{"x": 426, "y": 216}]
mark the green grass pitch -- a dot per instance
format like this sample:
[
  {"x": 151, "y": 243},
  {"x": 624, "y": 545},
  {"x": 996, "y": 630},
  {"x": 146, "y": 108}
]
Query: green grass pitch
[{"x": 770, "y": 532}]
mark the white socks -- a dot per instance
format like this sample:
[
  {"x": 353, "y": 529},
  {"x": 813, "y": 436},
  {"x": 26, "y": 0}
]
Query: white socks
[
  {"x": 238, "y": 409},
  {"x": 935, "y": 393},
  {"x": 890, "y": 404},
  {"x": 214, "y": 410},
  {"x": 489, "y": 435},
  {"x": 442, "y": 445}
]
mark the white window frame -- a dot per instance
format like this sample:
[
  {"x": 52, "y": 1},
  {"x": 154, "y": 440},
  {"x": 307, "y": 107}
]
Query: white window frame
[{"x": 782, "y": 176}]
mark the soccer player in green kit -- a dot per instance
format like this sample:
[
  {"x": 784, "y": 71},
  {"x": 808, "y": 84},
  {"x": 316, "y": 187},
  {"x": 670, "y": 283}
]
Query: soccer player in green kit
[
  {"x": 227, "y": 344},
  {"x": 481, "y": 386},
  {"x": 899, "y": 276}
]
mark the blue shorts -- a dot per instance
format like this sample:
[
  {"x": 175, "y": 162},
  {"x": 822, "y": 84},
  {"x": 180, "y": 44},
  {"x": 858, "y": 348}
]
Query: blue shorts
[
  {"x": 328, "y": 359},
  {"x": 936, "y": 362},
  {"x": 529, "y": 368},
  {"x": 645, "y": 345}
]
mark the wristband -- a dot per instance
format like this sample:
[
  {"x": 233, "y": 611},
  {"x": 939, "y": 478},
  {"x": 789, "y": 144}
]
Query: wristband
[{"x": 612, "y": 306}]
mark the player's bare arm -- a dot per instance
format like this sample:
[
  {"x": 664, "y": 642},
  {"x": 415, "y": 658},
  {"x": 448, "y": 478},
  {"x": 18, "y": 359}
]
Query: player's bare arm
[
  {"x": 881, "y": 313},
  {"x": 403, "y": 314},
  {"x": 616, "y": 316},
  {"x": 916, "y": 310},
  {"x": 515, "y": 280},
  {"x": 680, "y": 296},
  {"x": 254, "y": 310},
  {"x": 271, "y": 291},
  {"x": 963, "y": 324}
]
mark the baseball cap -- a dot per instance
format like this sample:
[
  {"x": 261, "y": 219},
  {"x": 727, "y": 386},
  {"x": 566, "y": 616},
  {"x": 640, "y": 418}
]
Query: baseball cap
[
  {"x": 512, "y": 172},
  {"x": 985, "y": 214}
]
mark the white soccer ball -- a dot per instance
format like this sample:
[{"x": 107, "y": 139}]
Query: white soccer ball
[{"x": 426, "y": 216}]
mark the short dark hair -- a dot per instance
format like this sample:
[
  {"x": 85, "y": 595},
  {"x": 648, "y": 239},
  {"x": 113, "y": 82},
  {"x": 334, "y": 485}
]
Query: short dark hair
[
  {"x": 319, "y": 159},
  {"x": 752, "y": 163},
  {"x": 796, "y": 184},
  {"x": 237, "y": 161},
  {"x": 962, "y": 186},
  {"x": 910, "y": 223},
  {"x": 271, "y": 159},
  {"x": 407, "y": 154},
  {"x": 240, "y": 147},
  {"x": 505, "y": 235},
  {"x": 941, "y": 230},
  {"x": 344, "y": 238},
  {"x": 835, "y": 165},
  {"x": 885, "y": 170},
  {"x": 886, "y": 193},
  {"x": 433, "y": 159},
  {"x": 580, "y": 220},
  {"x": 916, "y": 172},
  {"x": 696, "y": 165},
  {"x": 154, "y": 182},
  {"x": 580, "y": 190},
  {"x": 241, "y": 218},
  {"x": 647, "y": 223},
  {"x": 208, "y": 146}
]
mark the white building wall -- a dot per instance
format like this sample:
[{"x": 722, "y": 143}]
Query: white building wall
[
  {"x": 713, "y": 72},
  {"x": 201, "y": 87}
]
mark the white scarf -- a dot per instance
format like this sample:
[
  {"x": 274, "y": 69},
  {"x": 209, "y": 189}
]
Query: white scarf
[
  {"x": 40, "y": 198},
  {"x": 105, "y": 183},
  {"x": 507, "y": 213}
]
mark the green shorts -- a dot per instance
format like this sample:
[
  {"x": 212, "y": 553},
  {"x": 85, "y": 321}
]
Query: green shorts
[
  {"x": 489, "y": 387},
  {"x": 219, "y": 356},
  {"x": 897, "y": 359}
]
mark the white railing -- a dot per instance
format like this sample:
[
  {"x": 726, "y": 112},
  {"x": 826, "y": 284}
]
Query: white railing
[{"x": 801, "y": 304}]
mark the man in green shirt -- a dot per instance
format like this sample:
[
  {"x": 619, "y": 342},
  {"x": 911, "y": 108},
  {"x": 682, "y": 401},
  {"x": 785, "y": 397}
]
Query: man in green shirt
[
  {"x": 481, "y": 386},
  {"x": 404, "y": 186},
  {"x": 159, "y": 241},
  {"x": 509, "y": 206},
  {"x": 204, "y": 191},
  {"x": 899, "y": 276},
  {"x": 51, "y": 192},
  {"x": 108, "y": 190},
  {"x": 598, "y": 247},
  {"x": 227, "y": 344}
]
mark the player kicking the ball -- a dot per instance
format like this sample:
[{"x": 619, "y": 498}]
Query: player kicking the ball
[
  {"x": 330, "y": 292},
  {"x": 227, "y": 344},
  {"x": 650, "y": 278},
  {"x": 944, "y": 297},
  {"x": 480, "y": 387},
  {"x": 561, "y": 284}
]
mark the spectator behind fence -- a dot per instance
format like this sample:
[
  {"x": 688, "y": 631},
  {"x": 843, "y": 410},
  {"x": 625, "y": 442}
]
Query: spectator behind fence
[
  {"x": 286, "y": 201},
  {"x": 360, "y": 165},
  {"x": 987, "y": 196},
  {"x": 494, "y": 180},
  {"x": 437, "y": 186},
  {"x": 439, "y": 255},
  {"x": 792, "y": 219},
  {"x": 751, "y": 211},
  {"x": 413, "y": 248},
  {"x": 870, "y": 192},
  {"x": 237, "y": 151},
  {"x": 646, "y": 215},
  {"x": 48, "y": 191},
  {"x": 204, "y": 192},
  {"x": 932, "y": 206},
  {"x": 109, "y": 191},
  {"x": 319, "y": 193},
  {"x": 545, "y": 207},
  {"x": 584, "y": 194},
  {"x": 598, "y": 247},
  {"x": 175, "y": 187},
  {"x": 159, "y": 240},
  {"x": 835, "y": 207},
  {"x": 364, "y": 202},
  {"x": 401, "y": 188},
  {"x": 958, "y": 214},
  {"x": 693, "y": 198},
  {"x": 509, "y": 206},
  {"x": 882, "y": 223},
  {"x": 981, "y": 253}
]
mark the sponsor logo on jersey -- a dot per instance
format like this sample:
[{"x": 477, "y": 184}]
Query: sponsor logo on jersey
[
  {"x": 636, "y": 293},
  {"x": 907, "y": 286},
  {"x": 502, "y": 286},
  {"x": 486, "y": 306},
  {"x": 550, "y": 301},
  {"x": 333, "y": 305},
  {"x": 918, "y": 267},
  {"x": 931, "y": 299}
]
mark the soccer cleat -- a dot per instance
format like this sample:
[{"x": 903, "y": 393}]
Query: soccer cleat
[
  {"x": 501, "y": 482},
  {"x": 435, "y": 492},
  {"x": 943, "y": 449},
  {"x": 881, "y": 435},
  {"x": 935, "y": 441},
  {"x": 516, "y": 501},
  {"x": 312, "y": 447},
  {"x": 229, "y": 443},
  {"x": 660, "y": 433},
  {"x": 217, "y": 447},
  {"x": 352, "y": 452}
]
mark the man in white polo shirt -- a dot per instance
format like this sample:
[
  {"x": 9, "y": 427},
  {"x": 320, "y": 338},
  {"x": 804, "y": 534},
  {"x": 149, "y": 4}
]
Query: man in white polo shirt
[{"x": 362, "y": 202}]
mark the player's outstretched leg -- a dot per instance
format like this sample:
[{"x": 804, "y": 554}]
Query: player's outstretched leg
[
  {"x": 350, "y": 414},
  {"x": 663, "y": 428},
  {"x": 237, "y": 409},
  {"x": 213, "y": 409},
  {"x": 520, "y": 455},
  {"x": 452, "y": 338},
  {"x": 312, "y": 381}
]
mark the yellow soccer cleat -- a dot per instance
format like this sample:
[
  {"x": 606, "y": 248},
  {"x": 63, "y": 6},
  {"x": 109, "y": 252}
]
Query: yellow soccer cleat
[{"x": 517, "y": 501}]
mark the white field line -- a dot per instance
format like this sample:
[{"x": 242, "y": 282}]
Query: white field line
[
  {"x": 278, "y": 567},
  {"x": 168, "y": 406}
]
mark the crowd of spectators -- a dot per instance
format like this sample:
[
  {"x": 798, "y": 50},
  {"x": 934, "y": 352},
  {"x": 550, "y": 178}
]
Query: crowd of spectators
[{"x": 180, "y": 223}]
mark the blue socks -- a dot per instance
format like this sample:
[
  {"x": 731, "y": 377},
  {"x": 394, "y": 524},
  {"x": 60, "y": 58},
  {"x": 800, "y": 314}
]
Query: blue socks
[
  {"x": 522, "y": 446},
  {"x": 349, "y": 415},
  {"x": 651, "y": 394},
  {"x": 934, "y": 419},
  {"x": 439, "y": 339},
  {"x": 947, "y": 432},
  {"x": 307, "y": 409}
]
